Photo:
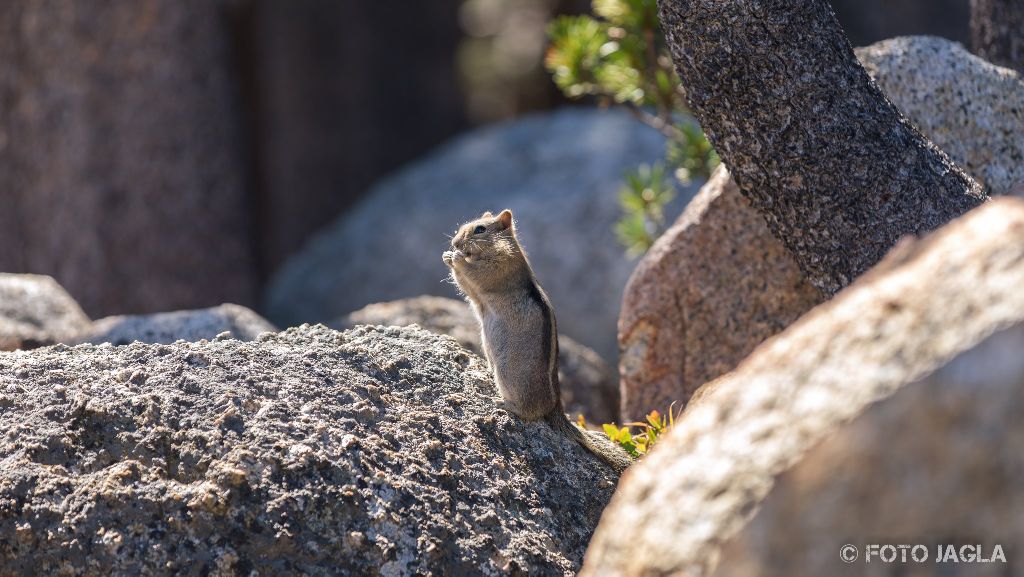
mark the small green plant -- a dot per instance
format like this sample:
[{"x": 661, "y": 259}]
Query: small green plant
[
  {"x": 643, "y": 200},
  {"x": 620, "y": 58},
  {"x": 650, "y": 430}
]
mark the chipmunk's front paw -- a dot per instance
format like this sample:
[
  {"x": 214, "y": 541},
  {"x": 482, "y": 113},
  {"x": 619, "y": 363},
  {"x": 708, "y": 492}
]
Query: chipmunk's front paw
[{"x": 453, "y": 257}]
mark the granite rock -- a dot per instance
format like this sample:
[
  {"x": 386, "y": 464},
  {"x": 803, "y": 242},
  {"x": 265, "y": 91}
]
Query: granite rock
[
  {"x": 36, "y": 311},
  {"x": 589, "y": 386},
  {"x": 971, "y": 109},
  {"x": 838, "y": 172},
  {"x": 377, "y": 451},
  {"x": 242, "y": 324},
  {"x": 712, "y": 288},
  {"x": 718, "y": 283},
  {"x": 935, "y": 465},
  {"x": 928, "y": 303}
]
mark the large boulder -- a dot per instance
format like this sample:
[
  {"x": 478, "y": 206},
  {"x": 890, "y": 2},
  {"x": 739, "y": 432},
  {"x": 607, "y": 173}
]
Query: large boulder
[
  {"x": 930, "y": 304},
  {"x": 712, "y": 288},
  {"x": 378, "y": 451},
  {"x": 717, "y": 284},
  {"x": 560, "y": 173},
  {"x": 935, "y": 465},
  {"x": 36, "y": 311},
  {"x": 242, "y": 324},
  {"x": 970, "y": 108},
  {"x": 589, "y": 386}
]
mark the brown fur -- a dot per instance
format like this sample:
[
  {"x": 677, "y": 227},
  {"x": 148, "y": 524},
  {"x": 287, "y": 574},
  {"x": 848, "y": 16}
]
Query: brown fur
[{"x": 518, "y": 328}]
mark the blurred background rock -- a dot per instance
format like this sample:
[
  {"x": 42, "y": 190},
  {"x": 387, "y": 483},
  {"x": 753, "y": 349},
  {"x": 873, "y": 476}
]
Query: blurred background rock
[{"x": 167, "y": 154}]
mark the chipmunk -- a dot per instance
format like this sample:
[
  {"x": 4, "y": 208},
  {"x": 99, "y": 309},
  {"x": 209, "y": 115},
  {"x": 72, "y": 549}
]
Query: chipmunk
[{"x": 518, "y": 330}]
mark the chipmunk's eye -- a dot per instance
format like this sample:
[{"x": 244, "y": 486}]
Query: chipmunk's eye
[{"x": 480, "y": 229}]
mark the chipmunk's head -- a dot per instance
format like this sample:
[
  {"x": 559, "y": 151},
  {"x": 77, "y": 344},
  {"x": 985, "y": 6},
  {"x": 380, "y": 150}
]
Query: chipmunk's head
[{"x": 486, "y": 238}]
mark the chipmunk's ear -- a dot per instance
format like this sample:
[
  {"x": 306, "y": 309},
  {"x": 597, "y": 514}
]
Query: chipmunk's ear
[{"x": 505, "y": 218}]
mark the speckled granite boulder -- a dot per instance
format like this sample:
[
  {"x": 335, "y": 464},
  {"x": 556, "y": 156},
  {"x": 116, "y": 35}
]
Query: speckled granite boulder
[
  {"x": 712, "y": 288},
  {"x": 36, "y": 311},
  {"x": 307, "y": 452},
  {"x": 718, "y": 283},
  {"x": 936, "y": 464},
  {"x": 926, "y": 305},
  {"x": 970, "y": 108},
  {"x": 559, "y": 172},
  {"x": 589, "y": 386},
  {"x": 194, "y": 325}
]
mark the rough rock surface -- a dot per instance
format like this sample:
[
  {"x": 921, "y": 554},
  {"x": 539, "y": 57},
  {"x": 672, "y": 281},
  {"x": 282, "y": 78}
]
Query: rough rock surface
[
  {"x": 936, "y": 464},
  {"x": 560, "y": 173},
  {"x": 971, "y": 109},
  {"x": 370, "y": 452},
  {"x": 589, "y": 386},
  {"x": 241, "y": 322},
  {"x": 36, "y": 311},
  {"x": 717, "y": 283},
  {"x": 927, "y": 303},
  {"x": 712, "y": 288},
  {"x": 838, "y": 172}
]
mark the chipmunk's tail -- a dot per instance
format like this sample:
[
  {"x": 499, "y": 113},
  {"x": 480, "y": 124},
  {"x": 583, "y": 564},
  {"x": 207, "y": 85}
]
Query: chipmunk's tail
[{"x": 597, "y": 443}]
